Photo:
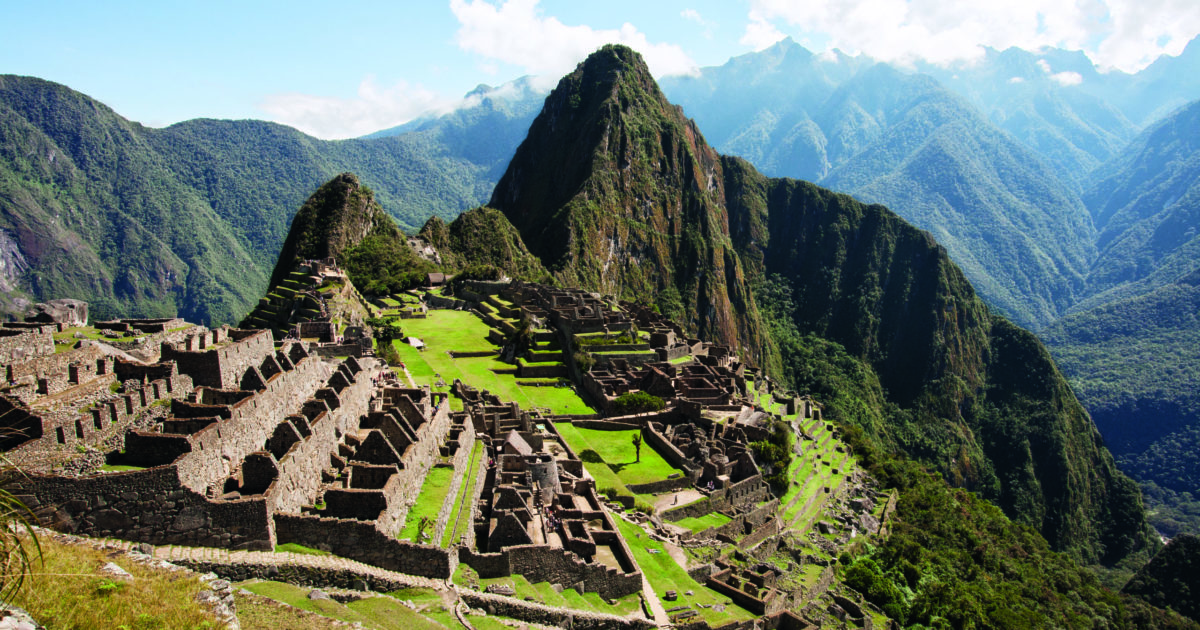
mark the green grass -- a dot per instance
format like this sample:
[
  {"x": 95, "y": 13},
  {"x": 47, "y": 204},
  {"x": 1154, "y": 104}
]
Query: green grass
[
  {"x": 463, "y": 331},
  {"x": 544, "y": 593},
  {"x": 701, "y": 523},
  {"x": 664, "y": 574},
  {"x": 382, "y": 613},
  {"x": 462, "y": 511},
  {"x": 617, "y": 451},
  {"x": 119, "y": 468},
  {"x": 429, "y": 502},
  {"x": 298, "y": 548},
  {"x": 429, "y": 604}
]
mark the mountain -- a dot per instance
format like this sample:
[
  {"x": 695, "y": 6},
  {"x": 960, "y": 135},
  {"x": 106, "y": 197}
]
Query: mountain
[
  {"x": 1021, "y": 234},
  {"x": 340, "y": 221},
  {"x": 89, "y": 209},
  {"x": 1033, "y": 96},
  {"x": 1132, "y": 345},
  {"x": 1172, "y": 578},
  {"x": 616, "y": 191},
  {"x": 482, "y": 236},
  {"x": 187, "y": 219}
]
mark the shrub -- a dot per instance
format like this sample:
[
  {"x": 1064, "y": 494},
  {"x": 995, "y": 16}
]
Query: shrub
[{"x": 636, "y": 402}]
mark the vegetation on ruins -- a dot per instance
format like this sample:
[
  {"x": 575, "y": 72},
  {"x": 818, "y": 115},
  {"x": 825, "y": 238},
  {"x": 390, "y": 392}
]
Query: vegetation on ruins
[
  {"x": 20, "y": 549},
  {"x": 776, "y": 453},
  {"x": 636, "y": 402}
]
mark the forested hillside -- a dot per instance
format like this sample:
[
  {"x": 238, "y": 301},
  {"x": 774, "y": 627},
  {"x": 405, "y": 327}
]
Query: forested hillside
[{"x": 188, "y": 219}]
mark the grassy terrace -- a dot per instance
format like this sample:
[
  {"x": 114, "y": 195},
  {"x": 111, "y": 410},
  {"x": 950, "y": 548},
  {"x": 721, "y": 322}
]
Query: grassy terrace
[
  {"x": 464, "y": 332},
  {"x": 429, "y": 502},
  {"x": 701, "y": 523},
  {"x": 544, "y": 593},
  {"x": 664, "y": 574},
  {"x": 384, "y": 613},
  {"x": 460, "y": 514},
  {"x": 616, "y": 449}
]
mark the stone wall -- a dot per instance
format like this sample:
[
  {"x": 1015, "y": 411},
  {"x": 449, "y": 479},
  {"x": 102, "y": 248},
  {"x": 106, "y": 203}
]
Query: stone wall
[
  {"x": 746, "y": 491},
  {"x": 540, "y": 563},
  {"x": 224, "y": 366},
  {"x": 364, "y": 542},
  {"x": 18, "y": 345},
  {"x": 219, "y": 448},
  {"x": 150, "y": 506},
  {"x": 315, "y": 439},
  {"x": 338, "y": 350}
]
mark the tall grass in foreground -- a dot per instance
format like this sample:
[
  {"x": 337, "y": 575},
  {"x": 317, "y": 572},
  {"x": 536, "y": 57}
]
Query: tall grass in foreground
[{"x": 66, "y": 591}]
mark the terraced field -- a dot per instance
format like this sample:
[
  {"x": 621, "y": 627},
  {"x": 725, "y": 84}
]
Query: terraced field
[{"x": 444, "y": 331}]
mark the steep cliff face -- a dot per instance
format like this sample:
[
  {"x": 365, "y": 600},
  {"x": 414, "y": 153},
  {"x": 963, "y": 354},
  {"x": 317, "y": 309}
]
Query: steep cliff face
[
  {"x": 614, "y": 190},
  {"x": 977, "y": 396}
]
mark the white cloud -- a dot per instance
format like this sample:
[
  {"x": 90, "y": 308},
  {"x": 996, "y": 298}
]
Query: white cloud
[
  {"x": 1044, "y": 65},
  {"x": 1016, "y": 80},
  {"x": 374, "y": 108},
  {"x": 760, "y": 33},
  {"x": 516, "y": 33},
  {"x": 693, "y": 15},
  {"x": 1067, "y": 78},
  {"x": 1125, "y": 34}
]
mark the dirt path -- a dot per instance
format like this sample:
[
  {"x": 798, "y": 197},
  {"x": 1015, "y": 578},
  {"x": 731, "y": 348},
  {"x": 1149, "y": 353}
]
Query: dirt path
[{"x": 668, "y": 501}]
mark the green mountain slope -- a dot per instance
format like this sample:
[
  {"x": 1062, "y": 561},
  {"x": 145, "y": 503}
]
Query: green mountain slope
[
  {"x": 1132, "y": 346},
  {"x": 1172, "y": 578},
  {"x": 93, "y": 211},
  {"x": 187, "y": 219},
  {"x": 611, "y": 172}
]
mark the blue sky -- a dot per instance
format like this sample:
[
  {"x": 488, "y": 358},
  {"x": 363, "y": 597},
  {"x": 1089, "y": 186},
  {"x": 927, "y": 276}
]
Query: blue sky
[{"x": 348, "y": 68}]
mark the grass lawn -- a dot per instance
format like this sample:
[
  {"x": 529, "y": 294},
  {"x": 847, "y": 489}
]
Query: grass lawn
[
  {"x": 665, "y": 575},
  {"x": 617, "y": 451},
  {"x": 460, "y": 514},
  {"x": 429, "y": 502},
  {"x": 701, "y": 523},
  {"x": 463, "y": 331}
]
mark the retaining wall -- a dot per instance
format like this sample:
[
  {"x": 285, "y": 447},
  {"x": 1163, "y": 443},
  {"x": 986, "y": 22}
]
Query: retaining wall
[{"x": 364, "y": 542}]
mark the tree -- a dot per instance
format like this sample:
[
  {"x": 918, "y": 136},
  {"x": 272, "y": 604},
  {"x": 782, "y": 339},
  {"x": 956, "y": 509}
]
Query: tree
[{"x": 637, "y": 446}]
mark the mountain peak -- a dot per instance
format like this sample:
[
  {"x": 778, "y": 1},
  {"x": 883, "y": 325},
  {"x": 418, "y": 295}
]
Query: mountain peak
[
  {"x": 339, "y": 215},
  {"x": 611, "y": 181}
]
